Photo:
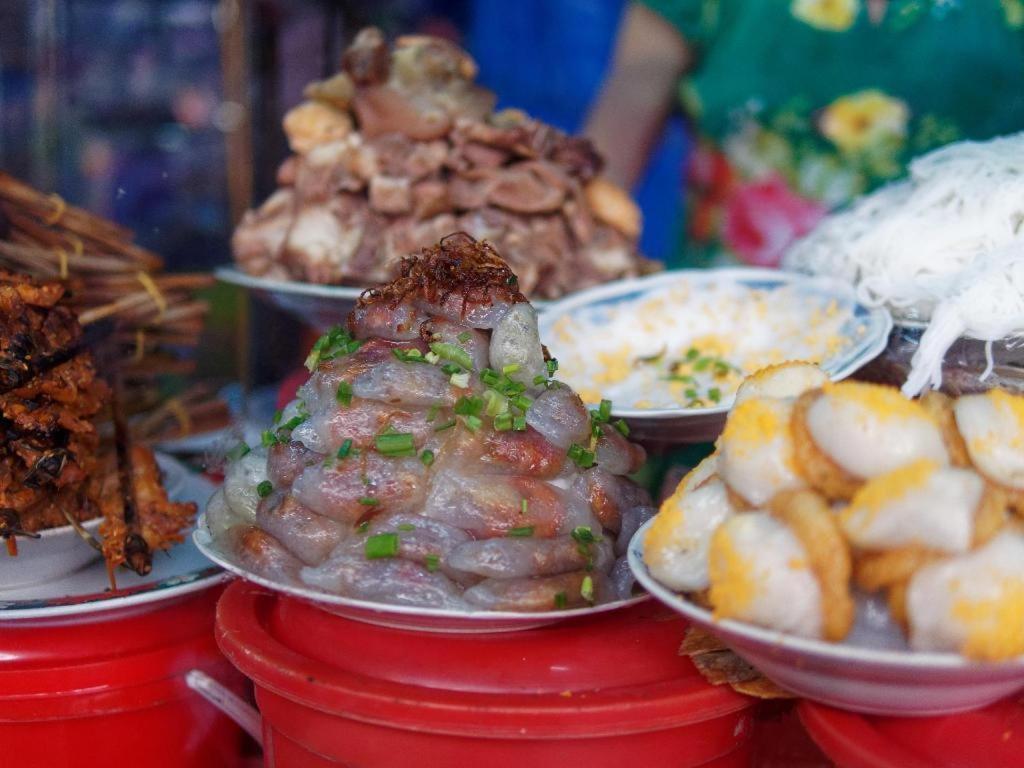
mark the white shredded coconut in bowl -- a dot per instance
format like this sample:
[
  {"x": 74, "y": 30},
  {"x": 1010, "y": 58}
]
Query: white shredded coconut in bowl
[{"x": 945, "y": 246}]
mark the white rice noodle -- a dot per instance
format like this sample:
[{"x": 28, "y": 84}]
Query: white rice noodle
[{"x": 946, "y": 245}]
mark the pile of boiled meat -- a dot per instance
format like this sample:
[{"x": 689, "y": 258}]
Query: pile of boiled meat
[
  {"x": 401, "y": 148},
  {"x": 432, "y": 459}
]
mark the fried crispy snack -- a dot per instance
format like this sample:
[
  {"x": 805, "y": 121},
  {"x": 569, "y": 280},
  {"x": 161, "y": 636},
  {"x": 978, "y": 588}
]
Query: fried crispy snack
[
  {"x": 49, "y": 400},
  {"x": 940, "y": 407},
  {"x": 808, "y": 516},
  {"x": 817, "y": 468},
  {"x": 162, "y": 522},
  {"x": 720, "y": 666}
]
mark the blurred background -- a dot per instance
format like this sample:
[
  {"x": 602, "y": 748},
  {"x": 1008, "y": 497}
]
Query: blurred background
[{"x": 165, "y": 115}]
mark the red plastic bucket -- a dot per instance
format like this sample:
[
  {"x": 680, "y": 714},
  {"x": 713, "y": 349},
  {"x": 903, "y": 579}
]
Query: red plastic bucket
[
  {"x": 992, "y": 737},
  {"x": 108, "y": 689},
  {"x": 608, "y": 691}
]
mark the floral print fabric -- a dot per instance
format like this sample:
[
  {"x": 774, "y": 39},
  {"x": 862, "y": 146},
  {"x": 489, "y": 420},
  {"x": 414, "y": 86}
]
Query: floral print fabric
[{"x": 801, "y": 105}]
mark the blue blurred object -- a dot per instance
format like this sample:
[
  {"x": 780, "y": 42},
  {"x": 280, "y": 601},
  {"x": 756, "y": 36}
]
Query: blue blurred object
[{"x": 549, "y": 58}]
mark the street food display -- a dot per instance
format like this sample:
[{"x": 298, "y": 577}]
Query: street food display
[
  {"x": 432, "y": 459},
  {"x": 944, "y": 251},
  {"x": 819, "y": 491},
  {"x": 401, "y": 148}
]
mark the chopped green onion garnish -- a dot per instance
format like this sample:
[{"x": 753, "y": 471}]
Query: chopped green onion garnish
[
  {"x": 468, "y": 405},
  {"x": 368, "y": 501},
  {"x": 427, "y": 457},
  {"x": 489, "y": 377},
  {"x": 702, "y": 364},
  {"x": 495, "y": 403},
  {"x": 561, "y": 600},
  {"x": 692, "y": 353},
  {"x": 395, "y": 444},
  {"x": 503, "y": 422},
  {"x": 431, "y": 358},
  {"x": 583, "y": 534},
  {"x": 538, "y": 380},
  {"x": 691, "y": 394},
  {"x": 681, "y": 378},
  {"x": 268, "y": 438},
  {"x": 277, "y": 416},
  {"x": 587, "y": 589},
  {"x": 381, "y": 545},
  {"x": 292, "y": 423},
  {"x": 406, "y": 527},
  {"x": 522, "y": 402},
  {"x": 605, "y": 410},
  {"x": 552, "y": 365},
  {"x": 623, "y": 427},
  {"x": 519, "y": 423},
  {"x": 522, "y": 532},
  {"x": 452, "y": 352},
  {"x": 508, "y": 370},
  {"x": 473, "y": 423},
  {"x": 464, "y": 337},
  {"x": 344, "y": 394},
  {"x": 446, "y": 425},
  {"x": 363, "y": 527},
  {"x": 524, "y": 507},
  {"x": 433, "y": 562},
  {"x": 460, "y": 380},
  {"x": 409, "y": 355},
  {"x": 335, "y": 343},
  {"x": 264, "y": 489},
  {"x": 432, "y": 412},
  {"x": 345, "y": 449},
  {"x": 238, "y": 451},
  {"x": 583, "y": 458},
  {"x": 715, "y": 394}
]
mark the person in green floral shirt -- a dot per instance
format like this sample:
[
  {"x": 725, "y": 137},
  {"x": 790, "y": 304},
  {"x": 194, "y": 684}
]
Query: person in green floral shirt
[{"x": 800, "y": 105}]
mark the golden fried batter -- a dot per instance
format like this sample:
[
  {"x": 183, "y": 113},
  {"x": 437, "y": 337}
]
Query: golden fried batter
[{"x": 811, "y": 520}]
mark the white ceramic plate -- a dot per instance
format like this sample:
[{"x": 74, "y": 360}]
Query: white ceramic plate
[
  {"x": 852, "y": 675},
  {"x": 867, "y": 332},
  {"x": 318, "y": 305},
  {"x": 178, "y": 572},
  {"x": 56, "y": 553},
  {"x": 404, "y": 616}
]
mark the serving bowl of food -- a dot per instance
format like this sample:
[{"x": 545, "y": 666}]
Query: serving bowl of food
[
  {"x": 943, "y": 250},
  {"x": 402, "y": 147},
  {"x": 432, "y": 471},
  {"x": 670, "y": 350},
  {"x": 860, "y": 548}
]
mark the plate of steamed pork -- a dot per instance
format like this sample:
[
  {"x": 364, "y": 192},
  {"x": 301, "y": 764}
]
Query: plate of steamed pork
[{"x": 433, "y": 472}]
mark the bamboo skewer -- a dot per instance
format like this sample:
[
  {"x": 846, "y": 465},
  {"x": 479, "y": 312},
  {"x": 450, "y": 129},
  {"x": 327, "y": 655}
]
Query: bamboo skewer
[{"x": 157, "y": 317}]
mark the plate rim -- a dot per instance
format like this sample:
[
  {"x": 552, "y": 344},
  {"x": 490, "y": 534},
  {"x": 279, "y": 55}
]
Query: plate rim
[
  {"x": 214, "y": 554},
  {"x": 99, "y": 602},
  {"x": 234, "y": 276},
  {"x": 871, "y": 350},
  {"x": 768, "y": 640}
]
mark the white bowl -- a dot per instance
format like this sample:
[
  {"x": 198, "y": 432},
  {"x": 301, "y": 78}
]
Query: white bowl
[
  {"x": 402, "y": 616},
  {"x": 860, "y": 678},
  {"x": 55, "y": 554},
  {"x": 867, "y": 332}
]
